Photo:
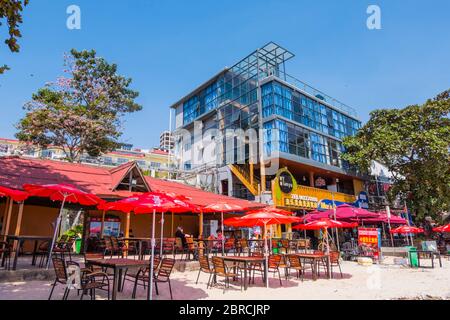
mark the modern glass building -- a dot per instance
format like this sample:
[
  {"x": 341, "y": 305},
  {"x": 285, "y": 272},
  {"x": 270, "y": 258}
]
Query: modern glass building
[{"x": 298, "y": 126}]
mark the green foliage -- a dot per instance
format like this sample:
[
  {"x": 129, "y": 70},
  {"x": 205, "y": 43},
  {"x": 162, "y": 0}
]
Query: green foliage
[
  {"x": 11, "y": 11},
  {"x": 75, "y": 232},
  {"x": 80, "y": 114},
  {"x": 414, "y": 144}
]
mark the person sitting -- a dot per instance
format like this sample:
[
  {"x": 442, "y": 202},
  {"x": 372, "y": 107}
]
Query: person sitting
[{"x": 180, "y": 234}]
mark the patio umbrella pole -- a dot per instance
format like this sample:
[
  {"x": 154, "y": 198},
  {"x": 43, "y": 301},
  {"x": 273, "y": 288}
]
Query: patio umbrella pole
[
  {"x": 328, "y": 255},
  {"x": 162, "y": 231},
  {"x": 58, "y": 222},
  {"x": 150, "y": 278},
  {"x": 223, "y": 235},
  {"x": 336, "y": 229},
  {"x": 266, "y": 254}
]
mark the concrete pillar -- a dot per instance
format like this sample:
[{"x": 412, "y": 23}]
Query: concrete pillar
[{"x": 311, "y": 179}]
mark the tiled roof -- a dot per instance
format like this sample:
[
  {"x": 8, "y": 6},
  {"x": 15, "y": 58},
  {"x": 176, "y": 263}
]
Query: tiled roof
[
  {"x": 17, "y": 171},
  {"x": 199, "y": 197}
]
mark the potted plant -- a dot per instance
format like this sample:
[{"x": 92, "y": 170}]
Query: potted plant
[{"x": 76, "y": 232}]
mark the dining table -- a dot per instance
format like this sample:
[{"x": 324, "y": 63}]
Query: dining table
[
  {"x": 246, "y": 261},
  {"x": 314, "y": 259},
  {"x": 118, "y": 266},
  {"x": 20, "y": 240}
]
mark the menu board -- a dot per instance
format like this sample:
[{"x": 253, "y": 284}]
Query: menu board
[{"x": 369, "y": 241}]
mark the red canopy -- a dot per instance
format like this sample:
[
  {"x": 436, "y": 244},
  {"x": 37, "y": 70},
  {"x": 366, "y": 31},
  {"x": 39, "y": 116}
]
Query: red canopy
[
  {"x": 384, "y": 218},
  {"x": 406, "y": 230},
  {"x": 62, "y": 192},
  {"x": 343, "y": 212},
  {"x": 273, "y": 210},
  {"x": 148, "y": 202},
  {"x": 324, "y": 223},
  {"x": 442, "y": 229},
  {"x": 16, "y": 195},
  {"x": 223, "y": 206},
  {"x": 260, "y": 218}
]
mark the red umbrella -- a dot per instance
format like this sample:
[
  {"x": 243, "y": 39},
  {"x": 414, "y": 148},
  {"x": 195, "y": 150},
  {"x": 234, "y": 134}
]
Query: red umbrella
[
  {"x": 325, "y": 224},
  {"x": 273, "y": 210},
  {"x": 384, "y": 218},
  {"x": 442, "y": 229},
  {"x": 16, "y": 195},
  {"x": 151, "y": 202},
  {"x": 406, "y": 230},
  {"x": 262, "y": 218},
  {"x": 64, "y": 193},
  {"x": 222, "y": 206}
]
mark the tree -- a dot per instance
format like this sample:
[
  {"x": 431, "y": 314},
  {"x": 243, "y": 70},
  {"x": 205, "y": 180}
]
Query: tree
[
  {"x": 11, "y": 10},
  {"x": 414, "y": 144},
  {"x": 80, "y": 113}
]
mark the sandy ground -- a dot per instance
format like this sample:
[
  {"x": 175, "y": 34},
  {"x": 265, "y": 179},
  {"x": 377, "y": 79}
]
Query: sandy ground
[{"x": 386, "y": 281}]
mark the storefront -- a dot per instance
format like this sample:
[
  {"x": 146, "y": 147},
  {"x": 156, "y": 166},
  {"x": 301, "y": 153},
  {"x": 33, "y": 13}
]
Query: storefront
[{"x": 288, "y": 194}]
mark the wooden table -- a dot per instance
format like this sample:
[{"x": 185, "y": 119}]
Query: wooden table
[
  {"x": 246, "y": 261},
  {"x": 139, "y": 241},
  {"x": 118, "y": 265},
  {"x": 314, "y": 260},
  {"x": 23, "y": 238}
]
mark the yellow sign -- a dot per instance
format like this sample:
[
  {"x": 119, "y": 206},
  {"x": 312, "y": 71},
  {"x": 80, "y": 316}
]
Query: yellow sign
[{"x": 287, "y": 193}]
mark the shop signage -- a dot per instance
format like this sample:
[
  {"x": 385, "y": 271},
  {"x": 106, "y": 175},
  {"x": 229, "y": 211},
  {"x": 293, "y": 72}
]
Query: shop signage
[
  {"x": 369, "y": 239},
  {"x": 287, "y": 193},
  {"x": 285, "y": 182}
]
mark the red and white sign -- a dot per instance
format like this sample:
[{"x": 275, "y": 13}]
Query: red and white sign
[{"x": 369, "y": 241}]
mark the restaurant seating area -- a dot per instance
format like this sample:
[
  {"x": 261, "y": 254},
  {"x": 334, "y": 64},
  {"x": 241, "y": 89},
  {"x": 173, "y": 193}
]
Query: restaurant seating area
[{"x": 108, "y": 263}]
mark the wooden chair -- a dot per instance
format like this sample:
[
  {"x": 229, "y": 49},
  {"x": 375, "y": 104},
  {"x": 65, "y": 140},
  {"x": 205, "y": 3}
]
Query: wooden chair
[
  {"x": 109, "y": 249},
  {"x": 242, "y": 246},
  {"x": 89, "y": 280},
  {"x": 161, "y": 276},
  {"x": 64, "y": 246},
  {"x": 5, "y": 251},
  {"x": 221, "y": 270},
  {"x": 322, "y": 263},
  {"x": 94, "y": 256},
  {"x": 141, "y": 274},
  {"x": 191, "y": 247},
  {"x": 229, "y": 245},
  {"x": 285, "y": 247},
  {"x": 118, "y": 248},
  {"x": 178, "y": 248},
  {"x": 42, "y": 251},
  {"x": 168, "y": 247},
  {"x": 274, "y": 267},
  {"x": 295, "y": 263},
  {"x": 206, "y": 268},
  {"x": 334, "y": 261}
]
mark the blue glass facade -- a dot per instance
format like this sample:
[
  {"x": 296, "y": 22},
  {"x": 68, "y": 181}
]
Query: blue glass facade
[
  {"x": 294, "y": 123},
  {"x": 280, "y": 135},
  {"x": 278, "y": 99}
]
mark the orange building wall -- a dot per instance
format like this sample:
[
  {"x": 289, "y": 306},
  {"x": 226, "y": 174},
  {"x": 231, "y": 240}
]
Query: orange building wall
[{"x": 36, "y": 221}]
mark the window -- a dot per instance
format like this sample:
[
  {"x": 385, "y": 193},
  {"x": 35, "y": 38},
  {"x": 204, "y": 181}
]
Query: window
[
  {"x": 155, "y": 165},
  {"x": 283, "y": 101}
]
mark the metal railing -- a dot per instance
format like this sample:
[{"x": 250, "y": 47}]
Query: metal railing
[{"x": 314, "y": 92}]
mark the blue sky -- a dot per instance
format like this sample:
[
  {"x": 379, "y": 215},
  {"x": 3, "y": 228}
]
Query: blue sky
[{"x": 169, "y": 47}]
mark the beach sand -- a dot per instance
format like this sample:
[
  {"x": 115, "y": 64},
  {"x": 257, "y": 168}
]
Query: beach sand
[{"x": 385, "y": 281}]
